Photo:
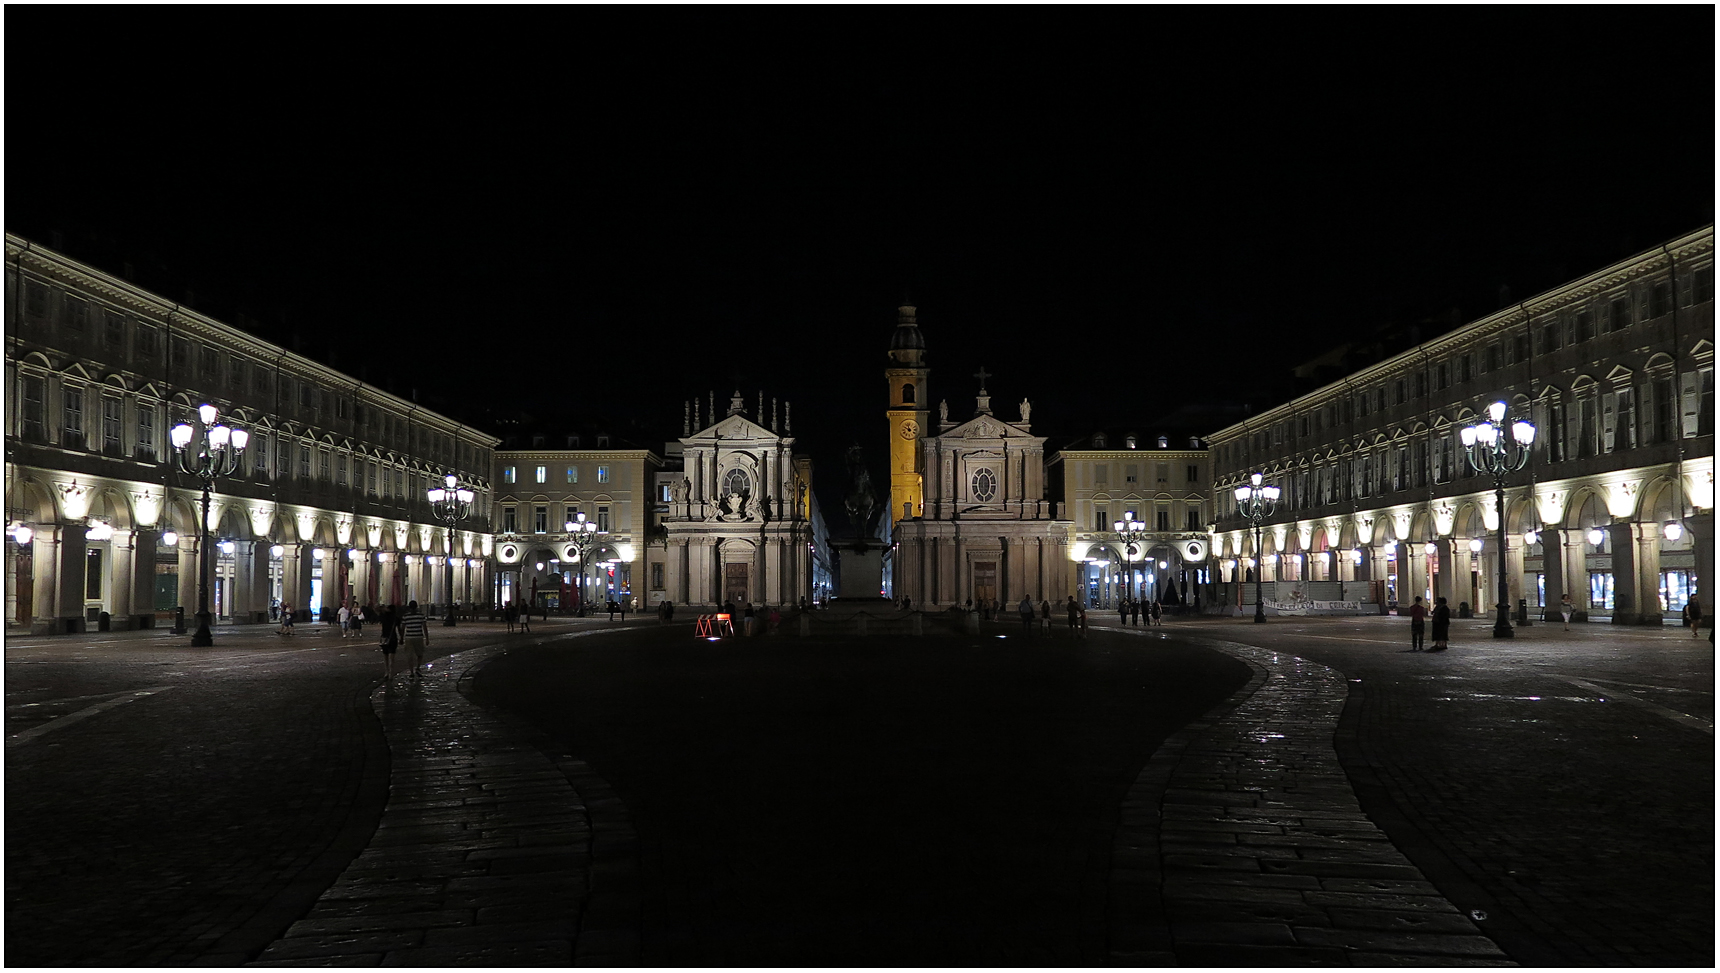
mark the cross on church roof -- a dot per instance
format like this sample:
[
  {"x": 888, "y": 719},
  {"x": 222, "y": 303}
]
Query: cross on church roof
[{"x": 982, "y": 375}]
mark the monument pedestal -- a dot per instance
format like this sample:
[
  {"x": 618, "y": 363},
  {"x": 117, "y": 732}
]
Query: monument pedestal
[{"x": 860, "y": 569}]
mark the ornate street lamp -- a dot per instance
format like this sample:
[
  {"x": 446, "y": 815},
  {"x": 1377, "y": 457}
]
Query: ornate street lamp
[
  {"x": 582, "y": 534},
  {"x": 1130, "y": 531},
  {"x": 1256, "y": 500},
  {"x": 206, "y": 451},
  {"x": 450, "y": 503},
  {"x": 1490, "y": 451}
]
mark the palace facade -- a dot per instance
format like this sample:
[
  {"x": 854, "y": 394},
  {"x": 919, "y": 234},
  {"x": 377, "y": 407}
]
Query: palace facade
[
  {"x": 328, "y": 501},
  {"x": 1615, "y": 507}
]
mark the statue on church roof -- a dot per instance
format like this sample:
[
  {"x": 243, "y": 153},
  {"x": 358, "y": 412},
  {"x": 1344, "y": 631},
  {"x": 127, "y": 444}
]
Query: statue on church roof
[
  {"x": 944, "y": 410},
  {"x": 1026, "y": 410}
]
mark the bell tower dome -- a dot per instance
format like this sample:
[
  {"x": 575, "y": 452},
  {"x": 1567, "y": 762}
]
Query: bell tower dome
[{"x": 909, "y": 396}]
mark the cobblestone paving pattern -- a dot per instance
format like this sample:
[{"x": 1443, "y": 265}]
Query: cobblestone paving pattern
[
  {"x": 1243, "y": 833},
  {"x": 489, "y": 853},
  {"x": 146, "y": 835}
]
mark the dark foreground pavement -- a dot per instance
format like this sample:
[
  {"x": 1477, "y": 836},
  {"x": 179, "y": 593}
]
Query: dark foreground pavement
[{"x": 644, "y": 797}]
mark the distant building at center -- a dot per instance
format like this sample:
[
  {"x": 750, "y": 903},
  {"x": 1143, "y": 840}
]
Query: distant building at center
[{"x": 972, "y": 521}]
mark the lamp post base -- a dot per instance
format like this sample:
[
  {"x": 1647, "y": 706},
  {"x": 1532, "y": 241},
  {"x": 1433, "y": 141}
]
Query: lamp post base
[
  {"x": 202, "y": 636},
  {"x": 1502, "y": 626},
  {"x": 449, "y": 621},
  {"x": 1259, "y": 614}
]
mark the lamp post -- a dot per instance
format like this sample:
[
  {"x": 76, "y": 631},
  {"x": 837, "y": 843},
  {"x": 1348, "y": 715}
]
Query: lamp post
[
  {"x": 206, "y": 451},
  {"x": 1130, "y": 530},
  {"x": 450, "y": 502},
  {"x": 582, "y": 534},
  {"x": 1255, "y": 500},
  {"x": 1490, "y": 452}
]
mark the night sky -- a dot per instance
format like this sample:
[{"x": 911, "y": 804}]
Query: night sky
[{"x": 599, "y": 213}]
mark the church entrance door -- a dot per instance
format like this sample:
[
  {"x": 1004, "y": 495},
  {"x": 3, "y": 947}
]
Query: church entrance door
[
  {"x": 984, "y": 581},
  {"x": 735, "y": 578}
]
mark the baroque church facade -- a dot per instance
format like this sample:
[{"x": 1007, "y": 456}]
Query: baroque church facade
[
  {"x": 970, "y": 516},
  {"x": 740, "y": 525}
]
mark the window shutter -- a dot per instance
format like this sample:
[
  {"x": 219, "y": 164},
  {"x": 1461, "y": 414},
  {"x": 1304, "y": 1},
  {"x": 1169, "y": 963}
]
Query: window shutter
[
  {"x": 1609, "y": 409},
  {"x": 1688, "y": 404}
]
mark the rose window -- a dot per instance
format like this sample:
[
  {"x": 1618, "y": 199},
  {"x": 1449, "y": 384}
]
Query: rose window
[{"x": 984, "y": 486}]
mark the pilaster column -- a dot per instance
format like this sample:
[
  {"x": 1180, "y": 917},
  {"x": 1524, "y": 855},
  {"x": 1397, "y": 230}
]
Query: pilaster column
[
  {"x": 1702, "y": 534},
  {"x": 70, "y": 577},
  {"x": 122, "y": 594},
  {"x": 250, "y": 580},
  {"x": 1514, "y": 581},
  {"x": 1573, "y": 547},
  {"x": 189, "y": 571},
  {"x": 45, "y": 598},
  {"x": 296, "y": 578},
  {"x": 1621, "y": 544},
  {"x": 333, "y": 583},
  {"x": 1443, "y": 571},
  {"x": 1553, "y": 573},
  {"x": 1412, "y": 573},
  {"x": 1647, "y": 537}
]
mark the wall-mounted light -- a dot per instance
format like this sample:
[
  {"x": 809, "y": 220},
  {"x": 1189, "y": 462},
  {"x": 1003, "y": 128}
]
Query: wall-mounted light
[
  {"x": 1531, "y": 538},
  {"x": 226, "y": 547},
  {"x": 1356, "y": 556},
  {"x": 1596, "y": 536},
  {"x": 1673, "y": 530},
  {"x": 99, "y": 530},
  {"x": 170, "y": 538},
  {"x": 1430, "y": 548},
  {"x": 276, "y": 550},
  {"x": 351, "y": 554},
  {"x": 22, "y": 533},
  {"x": 318, "y": 553},
  {"x": 1475, "y": 545}
]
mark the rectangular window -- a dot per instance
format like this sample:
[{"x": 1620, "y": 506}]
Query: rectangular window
[
  {"x": 146, "y": 346},
  {"x": 259, "y": 450},
  {"x": 1587, "y": 433},
  {"x": 540, "y": 519},
  {"x": 1555, "y": 434},
  {"x": 1705, "y": 402},
  {"x": 237, "y": 374},
  {"x": 663, "y": 492},
  {"x": 657, "y": 576},
  {"x": 340, "y": 470},
  {"x": 1444, "y": 375},
  {"x": 114, "y": 334},
  {"x": 340, "y": 407},
  {"x": 1193, "y": 520},
  {"x": 1164, "y": 472},
  {"x": 573, "y": 474},
  {"x": 1100, "y": 519},
  {"x": 74, "y": 418},
  {"x": 507, "y": 474},
  {"x": 304, "y": 462},
  {"x": 510, "y": 520},
  {"x": 1624, "y": 434},
  {"x": 260, "y": 385},
  {"x": 1164, "y": 519},
  {"x": 1101, "y": 473},
  {"x": 93, "y": 573},
  {"x": 77, "y": 315},
  {"x": 1131, "y": 474},
  {"x": 1620, "y": 313},
  {"x": 209, "y": 365},
  {"x": 542, "y": 474},
  {"x": 602, "y": 519},
  {"x": 111, "y": 412},
  {"x": 283, "y": 453},
  {"x": 1704, "y": 290},
  {"x": 1660, "y": 299},
  {"x": 34, "y": 421},
  {"x": 146, "y": 431},
  {"x": 370, "y": 479},
  {"x": 1194, "y": 473},
  {"x": 603, "y": 474},
  {"x": 35, "y": 299},
  {"x": 306, "y": 395},
  {"x": 1601, "y": 589},
  {"x": 1664, "y": 409},
  {"x": 323, "y": 465}
]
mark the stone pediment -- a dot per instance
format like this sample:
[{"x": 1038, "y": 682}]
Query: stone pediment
[
  {"x": 732, "y": 428},
  {"x": 984, "y": 427}
]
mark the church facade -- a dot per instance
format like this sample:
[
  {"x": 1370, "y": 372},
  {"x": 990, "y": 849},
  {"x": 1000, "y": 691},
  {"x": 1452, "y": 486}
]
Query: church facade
[
  {"x": 971, "y": 517},
  {"x": 740, "y": 524}
]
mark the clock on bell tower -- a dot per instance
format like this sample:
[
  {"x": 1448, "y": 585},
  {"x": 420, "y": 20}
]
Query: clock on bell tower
[{"x": 907, "y": 414}]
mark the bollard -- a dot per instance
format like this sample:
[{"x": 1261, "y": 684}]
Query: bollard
[
  {"x": 1523, "y": 612},
  {"x": 179, "y": 620}
]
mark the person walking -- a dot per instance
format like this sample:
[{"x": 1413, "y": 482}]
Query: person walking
[
  {"x": 1026, "y": 609},
  {"x": 1083, "y": 611},
  {"x": 1417, "y": 628},
  {"x": 1135, "y": 611},
  {"x": 1045, "y": 617},
  {"x": 1158, "y": 613},
  {"x": 526, "y": 617},
  {"x": 1566, "y": 609},
  {"x": 1441, "y": 625},
  {"x": 345, "y": 620},
  {"x": 415, "y": 635},
  {"x": 1695, "y": 607},
  {"x": 511, "y": 614},
  {"x": 1073, "y": 612},
  {"x": 1123, "y": 611},
  {"x": 390, "y": 640},
  {"x": 357, "y": 622}
]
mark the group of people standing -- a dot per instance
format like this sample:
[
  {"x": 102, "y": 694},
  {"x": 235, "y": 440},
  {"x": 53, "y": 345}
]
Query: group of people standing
[
  {"x": 1131, "y": 610},
  {"x": 1441, "y": 616}
]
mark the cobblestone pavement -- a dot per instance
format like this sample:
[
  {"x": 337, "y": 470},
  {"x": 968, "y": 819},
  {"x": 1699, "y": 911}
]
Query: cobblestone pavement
[
  {"x": 1560, "y": 783},
  {"x": 490, "y": 853},
  {"x": 172, "y": 806},
  {"x": 942, "y": 801},
  {"x": 959, "y": 801}
]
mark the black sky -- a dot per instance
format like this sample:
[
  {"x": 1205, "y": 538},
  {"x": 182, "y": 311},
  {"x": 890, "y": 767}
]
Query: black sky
[{"x": 599, "y": 213}]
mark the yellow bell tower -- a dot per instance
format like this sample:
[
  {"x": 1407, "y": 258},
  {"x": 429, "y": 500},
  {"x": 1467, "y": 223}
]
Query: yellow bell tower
[{"x": 908, "y": 400}]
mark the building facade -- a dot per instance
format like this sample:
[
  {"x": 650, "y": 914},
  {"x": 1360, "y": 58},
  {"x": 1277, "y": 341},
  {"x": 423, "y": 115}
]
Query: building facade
[
  {"x": 741, "y": 520},
  {"x": 541, "y": 490},
  {"x": 1160, "y": 483},
  {"x": 328, "y": 502},
  {"x": 1615, "y": 507},
  {"x": 984, "y": 529}
]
